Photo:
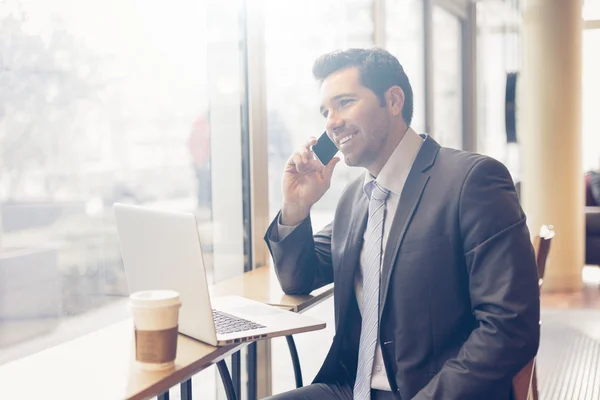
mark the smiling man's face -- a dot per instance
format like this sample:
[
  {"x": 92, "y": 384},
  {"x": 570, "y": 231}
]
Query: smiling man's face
[{"x": 355, "y": 119}]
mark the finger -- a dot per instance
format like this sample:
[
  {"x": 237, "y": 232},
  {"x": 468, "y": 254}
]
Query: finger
[
  {"x": 306, "y": 150},
  {"x": 312, "y": 166},
  {"x": 306, "y": 154},
  {"x": 302, "y": 167},
  {"x": 329, "y": 168},
  {"x": 296, "y": 160},
  {"x": 290, "y": 164},
  {"x": 310, "y": 142}
]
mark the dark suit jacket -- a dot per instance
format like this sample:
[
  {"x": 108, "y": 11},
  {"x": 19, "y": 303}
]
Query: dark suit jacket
[{"x": 459, "y": 285}]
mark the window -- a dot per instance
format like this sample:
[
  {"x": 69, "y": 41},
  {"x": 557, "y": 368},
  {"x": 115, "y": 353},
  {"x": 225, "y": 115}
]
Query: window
[
  {"x": 591, "y": 9},
  {"x": 498, "y": 54},
  {"x": 102, "y": 102},
  {"x": 447, "y": 79},
  {"x": 405, "y": 40},
  {"x": 590, "y": 100}
]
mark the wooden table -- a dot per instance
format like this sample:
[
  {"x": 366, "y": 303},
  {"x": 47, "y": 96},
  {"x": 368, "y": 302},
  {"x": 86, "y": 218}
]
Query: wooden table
[
  {"x": 101, "y": 365},
  {"x": 261, "y": 285}
]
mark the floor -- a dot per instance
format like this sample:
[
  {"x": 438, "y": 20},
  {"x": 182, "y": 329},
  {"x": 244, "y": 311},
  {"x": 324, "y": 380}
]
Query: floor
[
  {"x": 569, "y": 355},
  {"x": 587, "y": 298}
]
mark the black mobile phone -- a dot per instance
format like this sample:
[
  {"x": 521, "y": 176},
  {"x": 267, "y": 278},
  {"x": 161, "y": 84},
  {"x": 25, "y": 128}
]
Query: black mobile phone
[{"x": 325, "y": 149}]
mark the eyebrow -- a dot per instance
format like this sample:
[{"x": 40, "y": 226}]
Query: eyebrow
[{"x": 337, "y": 97}]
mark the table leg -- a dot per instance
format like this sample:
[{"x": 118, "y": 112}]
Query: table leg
[
  {"x": 226, "y": 379},
  {"x": 186, "y": 390},
  {"x": 295, "y": 360},
  {"x": 236, "y": 372},
  {"x": 251, "y": 362}
]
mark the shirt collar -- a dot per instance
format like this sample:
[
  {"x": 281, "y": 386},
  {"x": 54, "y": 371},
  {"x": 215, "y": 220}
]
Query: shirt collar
[{"x": 395, "y": 171}]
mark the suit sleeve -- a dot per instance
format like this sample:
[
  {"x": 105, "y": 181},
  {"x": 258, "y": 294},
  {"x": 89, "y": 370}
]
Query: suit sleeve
[
  {"x": 302, "y": 261},
  {"x": 503, "y": 285}
]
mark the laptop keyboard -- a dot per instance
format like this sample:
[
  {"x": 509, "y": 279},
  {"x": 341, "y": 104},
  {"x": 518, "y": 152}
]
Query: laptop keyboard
[{"x": 225, "y": 323}]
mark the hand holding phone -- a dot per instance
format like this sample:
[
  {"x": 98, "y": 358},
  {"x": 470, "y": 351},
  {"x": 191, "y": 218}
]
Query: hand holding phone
[
  {"x": 325, "y": 149},
  {"x": 305, "y": 180}
]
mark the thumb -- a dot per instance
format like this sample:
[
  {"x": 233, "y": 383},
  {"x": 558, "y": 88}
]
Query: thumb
[{"x": 328, "y": 170}]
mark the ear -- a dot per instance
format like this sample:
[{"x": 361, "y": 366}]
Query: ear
[{"x": 395, "y": 96}]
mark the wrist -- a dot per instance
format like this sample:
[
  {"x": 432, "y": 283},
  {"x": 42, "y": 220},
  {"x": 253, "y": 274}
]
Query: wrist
[{"x": 293, "y": 214}]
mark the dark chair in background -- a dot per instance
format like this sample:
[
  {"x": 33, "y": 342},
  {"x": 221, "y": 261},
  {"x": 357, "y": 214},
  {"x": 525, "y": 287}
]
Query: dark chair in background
[
  {"x": 592, "y": 219},
  {"x": 525, "y": 382}
]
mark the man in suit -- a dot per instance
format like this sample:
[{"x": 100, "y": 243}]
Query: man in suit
[{"x": 436, "y": 288}]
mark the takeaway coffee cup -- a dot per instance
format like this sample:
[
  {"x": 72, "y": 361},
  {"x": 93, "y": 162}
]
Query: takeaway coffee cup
[{"x": 155, "y": 318}]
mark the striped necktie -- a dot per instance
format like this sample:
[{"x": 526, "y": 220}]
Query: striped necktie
[{"x": 370, "y": 300}]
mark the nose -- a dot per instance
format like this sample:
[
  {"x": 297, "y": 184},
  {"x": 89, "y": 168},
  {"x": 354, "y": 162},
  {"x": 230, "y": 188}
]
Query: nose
[{"x": 334, "y": 123}]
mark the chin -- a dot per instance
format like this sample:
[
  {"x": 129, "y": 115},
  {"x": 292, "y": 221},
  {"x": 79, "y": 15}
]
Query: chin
[
  {"x": 355, "y": 159},
  {"x": 352, "y": 163}
]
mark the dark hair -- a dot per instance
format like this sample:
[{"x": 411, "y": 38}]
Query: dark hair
[{"x": 379, "y": 70}]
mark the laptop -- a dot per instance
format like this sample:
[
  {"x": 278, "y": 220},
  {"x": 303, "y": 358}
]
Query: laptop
[{"x": 161, "y": 250}]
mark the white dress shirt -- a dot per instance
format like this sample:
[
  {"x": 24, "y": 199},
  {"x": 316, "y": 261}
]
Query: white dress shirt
[{"x": 392, "y": 176}]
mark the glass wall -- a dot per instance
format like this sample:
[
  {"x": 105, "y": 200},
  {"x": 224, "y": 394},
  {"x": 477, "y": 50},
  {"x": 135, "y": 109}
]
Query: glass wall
[
  {"x": 498, "y": 55},
  {"x": 591, "y": 9},
  {"x": 104, "y": 102},
  {"x": 447, "y": 79},
  {"x": 591, "y": 99},
  {"x": 405, "y": 39}
]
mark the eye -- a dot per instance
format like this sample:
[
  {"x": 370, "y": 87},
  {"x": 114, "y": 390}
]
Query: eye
[
  {"x": 345, "y": 102},
  {"x": 325, "y": 114}
]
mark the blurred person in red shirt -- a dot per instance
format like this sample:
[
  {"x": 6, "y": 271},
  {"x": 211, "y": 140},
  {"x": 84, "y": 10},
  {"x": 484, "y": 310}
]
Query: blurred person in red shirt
[{"x": 199, "y": 146}]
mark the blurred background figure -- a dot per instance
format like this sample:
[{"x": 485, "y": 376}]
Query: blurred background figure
[
  {"x": 199, "y": 146},
  {"x": 592, "y": 181}
]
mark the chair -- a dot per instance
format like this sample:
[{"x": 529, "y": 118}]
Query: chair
[
  {"x": 592, "y": 218},
  {"x": 541, "y": 246},
  {"x": 525, "y": 382}
]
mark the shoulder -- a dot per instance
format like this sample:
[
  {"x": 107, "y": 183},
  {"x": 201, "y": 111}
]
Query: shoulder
[{"x": 464, "y": 165}]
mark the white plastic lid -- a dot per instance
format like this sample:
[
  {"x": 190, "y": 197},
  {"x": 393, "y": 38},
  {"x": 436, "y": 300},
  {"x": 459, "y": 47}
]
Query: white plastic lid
[{"x": 155, "y": 298}]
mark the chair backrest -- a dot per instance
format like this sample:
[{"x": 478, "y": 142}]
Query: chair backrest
[
  {"x": 590, "y": 201},
  {"x": 522, "y": 382},
  {"x": 541, "y": 245}
]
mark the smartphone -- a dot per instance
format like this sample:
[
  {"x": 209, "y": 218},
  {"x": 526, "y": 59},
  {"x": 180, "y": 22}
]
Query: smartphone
[{"x": 325, "y": 149}]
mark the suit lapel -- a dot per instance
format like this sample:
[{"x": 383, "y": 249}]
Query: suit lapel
[
  {"x": 352, "y": 249},
  {"x": 409, "y": 200}
]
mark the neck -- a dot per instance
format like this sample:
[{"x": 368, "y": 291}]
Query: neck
[{"x": 393, "y": 140}]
